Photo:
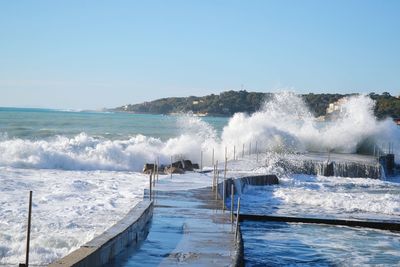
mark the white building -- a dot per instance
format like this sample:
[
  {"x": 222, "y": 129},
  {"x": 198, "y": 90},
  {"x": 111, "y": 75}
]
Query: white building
[{"x": 337, "y": 107}]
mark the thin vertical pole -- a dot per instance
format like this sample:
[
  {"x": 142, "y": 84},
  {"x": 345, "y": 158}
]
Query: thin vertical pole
[
  {"x": 223, "y": 195},
  {"x": 28, "y": 236},
  {"x": 201, "y": 161},
  {"x": 216, "y": 186},
  {"x": 213, "y": 179},
  {"x": 213, "y": 158},
  {"x": 250, "y": 149},
  {"x": 243, "y": 151},
  {"x": 257, "y": 150},
  {"x": 154, "y": 174},
  {"x": 237, "y": 218},
  {"x": 232, "y": 201},
  {"x": 150, "y": 184},
  {"x": 158, "y": 166},
  {"x": 226, "y": 164},
  {"x": 226, "y": 152},
  {"x": 234, "y": 152},
  {"x": 171, "y": 167},
  {"x": 214, "y": 174}
]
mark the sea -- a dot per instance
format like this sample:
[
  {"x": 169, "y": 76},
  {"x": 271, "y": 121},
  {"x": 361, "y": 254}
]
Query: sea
[{"x": 84, "y": 169}]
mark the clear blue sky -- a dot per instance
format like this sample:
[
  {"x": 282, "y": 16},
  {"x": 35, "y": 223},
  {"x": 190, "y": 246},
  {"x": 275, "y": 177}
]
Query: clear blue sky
[{"x": 93, "y": 54}]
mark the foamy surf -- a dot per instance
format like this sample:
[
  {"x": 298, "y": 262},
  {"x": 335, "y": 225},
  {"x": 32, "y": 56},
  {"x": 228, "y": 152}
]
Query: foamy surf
[
  {"x": 83, "y": 182},
  {"x": 69, "y": 209}
]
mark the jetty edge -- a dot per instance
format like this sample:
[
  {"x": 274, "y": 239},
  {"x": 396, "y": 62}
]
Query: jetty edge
[{"x": 208, "y": 236}]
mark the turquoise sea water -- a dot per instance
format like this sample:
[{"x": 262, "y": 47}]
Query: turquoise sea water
[
  {"x": 286, "y": 244},
  {"x": 69, "y": 140},
  {"x": 35, "y": 124}
]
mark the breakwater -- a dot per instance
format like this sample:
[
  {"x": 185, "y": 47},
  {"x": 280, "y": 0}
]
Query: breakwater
[
  {"x": 277, "y": 236},
  {"x": 334, "y": 164},
  {"x": 189, "y": 228}
]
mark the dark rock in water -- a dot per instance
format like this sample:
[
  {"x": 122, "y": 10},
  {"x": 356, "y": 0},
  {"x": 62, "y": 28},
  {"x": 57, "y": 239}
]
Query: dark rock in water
[
  {"x": 149, "y": 168},
  {"x": 173, "y": 169},
  {"x": 177, "y": 167},
  {"x": 178, "y": 164},
  {"x": 195, "y": 166},
  {"x": 186, "y": 165}
]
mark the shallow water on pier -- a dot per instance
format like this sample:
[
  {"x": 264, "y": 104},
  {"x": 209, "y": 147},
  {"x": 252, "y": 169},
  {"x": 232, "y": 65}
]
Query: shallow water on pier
[{"x": 279, "y": 244}]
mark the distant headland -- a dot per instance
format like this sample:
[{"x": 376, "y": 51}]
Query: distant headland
[{"x": 230, "y": 102}]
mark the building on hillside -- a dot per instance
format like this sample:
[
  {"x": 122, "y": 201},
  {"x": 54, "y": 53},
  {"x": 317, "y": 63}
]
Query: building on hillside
[
  {"x": 336, "y": 109},
  {"x": 197, "y": 102},
  {"x": 397, "y": 121}
]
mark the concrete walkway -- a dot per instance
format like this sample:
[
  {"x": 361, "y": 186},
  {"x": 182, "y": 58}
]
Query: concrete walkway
[{"x": 188, "y": 228}]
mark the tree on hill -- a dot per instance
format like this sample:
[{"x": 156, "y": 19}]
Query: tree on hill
[{"x": 230, "y": 102}]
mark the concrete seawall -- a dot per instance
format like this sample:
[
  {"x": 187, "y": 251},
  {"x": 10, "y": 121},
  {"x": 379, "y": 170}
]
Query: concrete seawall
[
  {"x": 135, "y": 226},
  {"x": 129, "y": 231},
  {"x": 335, "y": 164},
  {"x": 238, "y": 185},
  {"x": 241, "y": 182}
]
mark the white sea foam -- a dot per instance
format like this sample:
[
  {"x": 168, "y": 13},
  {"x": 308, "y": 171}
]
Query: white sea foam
[
  {"x": 69, "y": 209},
  {"x": 284, "y": 123},
  {"x": 306, "y": 195}
]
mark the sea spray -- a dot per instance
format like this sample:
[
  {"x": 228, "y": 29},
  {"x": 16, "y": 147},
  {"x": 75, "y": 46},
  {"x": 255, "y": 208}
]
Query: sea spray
[{"x": 284, "y": 124}]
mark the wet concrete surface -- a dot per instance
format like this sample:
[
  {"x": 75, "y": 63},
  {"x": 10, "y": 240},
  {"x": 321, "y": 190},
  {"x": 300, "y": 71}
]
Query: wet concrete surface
[{"x": 188, "y": 228}]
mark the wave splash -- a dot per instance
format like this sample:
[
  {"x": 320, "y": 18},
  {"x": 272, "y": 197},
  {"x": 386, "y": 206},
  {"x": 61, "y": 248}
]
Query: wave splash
[{"x": 283, "y": 124}]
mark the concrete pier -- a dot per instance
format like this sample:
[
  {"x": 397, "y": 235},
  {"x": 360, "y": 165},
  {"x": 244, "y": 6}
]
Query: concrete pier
[
  {"x": 333, "y": 164},
  {"x": 188, "y": 228}
]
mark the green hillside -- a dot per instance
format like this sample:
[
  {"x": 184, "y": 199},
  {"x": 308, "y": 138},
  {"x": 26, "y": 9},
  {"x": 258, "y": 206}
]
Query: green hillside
[{"x": 230, "y": 102}]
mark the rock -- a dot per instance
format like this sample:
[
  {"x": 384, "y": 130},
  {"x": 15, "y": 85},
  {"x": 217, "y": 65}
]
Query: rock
[
  {"x": 195, "y": 166},
  {"x": 148, "y": 168},
  {"x": 177, "y": 167},
  {"x": 186, "y": 165},
  {"x": 173, "y": 169},
  {"x": 178, "y": 164}
]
